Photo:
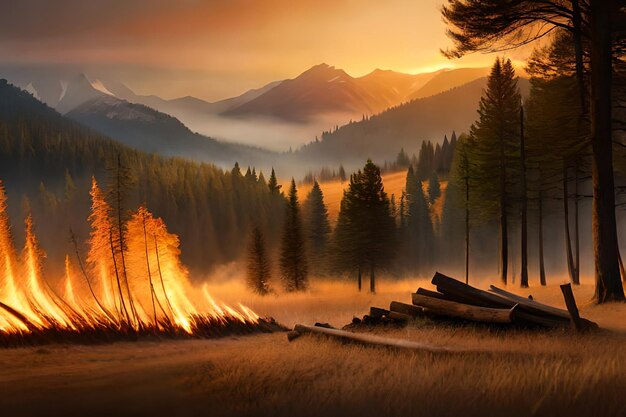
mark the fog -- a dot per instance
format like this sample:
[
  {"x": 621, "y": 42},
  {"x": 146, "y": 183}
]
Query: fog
[{"x": 265, "y": 132}]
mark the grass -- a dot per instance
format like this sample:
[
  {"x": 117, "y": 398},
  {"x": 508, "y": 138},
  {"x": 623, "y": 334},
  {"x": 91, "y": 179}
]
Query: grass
[{"x": 526, "y": 373}]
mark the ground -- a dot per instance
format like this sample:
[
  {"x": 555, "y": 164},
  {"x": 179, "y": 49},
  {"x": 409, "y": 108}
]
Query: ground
[{"x": 525, "y": 373}]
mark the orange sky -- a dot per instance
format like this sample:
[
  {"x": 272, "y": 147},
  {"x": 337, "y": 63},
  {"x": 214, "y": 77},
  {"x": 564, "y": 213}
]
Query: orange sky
[{"x": 217, "y": 48}]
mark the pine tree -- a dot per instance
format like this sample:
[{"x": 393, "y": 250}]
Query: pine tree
[
  {"x": 496, "y": 135},
  {"x": 419, "y": 231},
  {"x": 293, "y": 263},
  {"x": 272, "y": 184},
  {"x": 434, "y": 188},
  {"x": 342, "y": 174},
  {"x": 259, "y": 272},
  {"x": 365, "y": 233},
  {"x": 402, "y": 160},
  {"x": 318, "y": 226}
]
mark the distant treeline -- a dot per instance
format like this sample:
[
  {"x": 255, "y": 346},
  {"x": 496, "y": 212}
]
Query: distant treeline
[{"x": 47, "y": 161}]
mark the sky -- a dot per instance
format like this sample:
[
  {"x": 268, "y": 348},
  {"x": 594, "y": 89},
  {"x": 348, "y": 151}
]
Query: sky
[{"x": 214, "y": 49}]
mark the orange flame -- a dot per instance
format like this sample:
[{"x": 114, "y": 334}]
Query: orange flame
[{"x": 133, "y": 279}]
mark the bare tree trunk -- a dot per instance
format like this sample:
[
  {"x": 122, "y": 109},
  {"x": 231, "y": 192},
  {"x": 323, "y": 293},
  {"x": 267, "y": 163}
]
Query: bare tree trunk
[
  {"x": 117, "y": 278},
  {"x": 524, "y": 231},
  {"x": 359, "y": 278},
  {"x": 621, "y": 266},
  {"x": 467, "y": 227},
  {"x": 504, "y": 237},
  {"x": 576, "y": 279},
  {"x": 568, "y": 241},
  {"x": 542, "y": 268},
  {"x": 608, "y": 283},
  {"x": 372, "y": 279}
]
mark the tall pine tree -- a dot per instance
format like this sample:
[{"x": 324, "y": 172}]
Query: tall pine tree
[
  {"x": 317, "y": 227},
  {"x": 496, "y": 135},
  {"x": 259, "y": 272},
  {"x": 365, "y": 233},
  {"x": 293, "y": 262}
]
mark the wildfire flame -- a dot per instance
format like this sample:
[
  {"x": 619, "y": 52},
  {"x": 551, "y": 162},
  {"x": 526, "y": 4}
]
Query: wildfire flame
[{"x": 132, "y": 281}]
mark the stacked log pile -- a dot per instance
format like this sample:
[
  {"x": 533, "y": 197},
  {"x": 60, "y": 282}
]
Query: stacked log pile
[{"x": 455, "y": 300}]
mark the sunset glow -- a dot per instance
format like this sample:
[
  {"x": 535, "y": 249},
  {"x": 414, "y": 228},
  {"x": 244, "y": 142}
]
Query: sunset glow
[{"x": 216, "y": 49}]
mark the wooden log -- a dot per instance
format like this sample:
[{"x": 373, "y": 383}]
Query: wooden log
[
  {"x": 293, "y": 335},
  {"x": 526, "y": 310},
  {"x": 463, "y": 311},
  {"x": 407, "y": 309},
  {"x": 377, "y": 312},
  {"x": 372, "y": 340},
  {"x": 433, "y": 294},
  {"x": 455, "y": 288},
  {"x": 572, "y": 308},
  {"x": 394, "y": 315},
  {"x": 526, "y": 318},
  {"x": 550, "y": 310}
]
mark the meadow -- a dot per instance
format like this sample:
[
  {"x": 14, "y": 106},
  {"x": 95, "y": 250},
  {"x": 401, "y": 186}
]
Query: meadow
[{"x": 539, "y": 373}]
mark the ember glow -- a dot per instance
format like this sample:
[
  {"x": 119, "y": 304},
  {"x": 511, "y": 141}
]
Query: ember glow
[{"x": 131, "y": 283}]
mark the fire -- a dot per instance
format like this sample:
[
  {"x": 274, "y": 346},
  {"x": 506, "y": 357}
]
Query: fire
[{"x": 132, "y": 281}]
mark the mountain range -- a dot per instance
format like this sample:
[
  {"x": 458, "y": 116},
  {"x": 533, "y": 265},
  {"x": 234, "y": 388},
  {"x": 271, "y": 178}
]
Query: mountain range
[
  {"x": 319, "y": 91},
  {"x": 381, "y": 137},
  {"x": 395, "y": 110}
]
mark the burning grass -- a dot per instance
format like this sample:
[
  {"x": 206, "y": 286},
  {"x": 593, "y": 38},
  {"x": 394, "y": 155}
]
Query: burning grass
[{"x": 133, "y": 285}]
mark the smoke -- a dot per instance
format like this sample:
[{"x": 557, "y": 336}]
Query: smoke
[{"x": 266, "y": 132}]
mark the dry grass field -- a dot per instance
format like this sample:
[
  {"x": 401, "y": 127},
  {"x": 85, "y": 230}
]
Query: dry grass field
[{"x": 526, "y": 373}]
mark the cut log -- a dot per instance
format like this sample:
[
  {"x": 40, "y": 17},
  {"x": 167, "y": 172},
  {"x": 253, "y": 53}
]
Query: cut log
[
  {"x": 407, "y": 309},
  {"x": 433, "y": 294},
  {"x": 470, "y": 295},
  {"x": 554, "y": 311},
  {"x": 372, "y": 340},
  {"x": 463, "y": 311},
  {"x": 293, "y": 335},
  {"x": 394, "y": 315},
  {"x": 523, "y": 317},
  {"x": 549, "y": 311},
  {"x": 377, "y": 312},
  {"x": 459, "y": 289}
]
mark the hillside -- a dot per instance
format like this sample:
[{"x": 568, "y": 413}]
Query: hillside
[
  {"x": 380, "y": 137},
  {"x": 448, "y": 79},
  {"x": 151, "y": 131},
  {"x": 47, "y": 162}
]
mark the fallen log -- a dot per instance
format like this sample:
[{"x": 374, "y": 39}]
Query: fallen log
[
  {"x": 527, "y": 302},
  {"x": 377, "y": 312},
  {"x": 394, "y": 315},
  {"x": 407, "y": 309},
  {"x": 455, "y": 288},
  {"x": 528, "y": 310},
  {"x": 433, "y": 294},
  {"x": 372, "y": 340},
  {"x": 463, "y": 311}
]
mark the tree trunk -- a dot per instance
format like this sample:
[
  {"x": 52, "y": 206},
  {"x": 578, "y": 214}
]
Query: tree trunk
[
  {"x": 608, "y": 282},
  {"x": 372, "y": 279},
  {"x": 467, "y": 228},
  {"x": 359, "y": 279},
  {"x": 524, "y": 232},
  {"x": 542, "y": 268},
  {"x": 576, "y": 280},
  {"x": 504, "y": 250},
  {"x": 568, "y": 241}
]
